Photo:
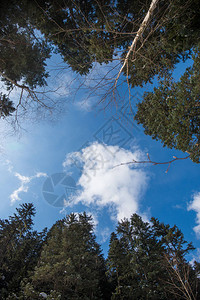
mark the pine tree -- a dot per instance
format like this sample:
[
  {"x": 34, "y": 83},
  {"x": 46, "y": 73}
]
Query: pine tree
[
  {"x": 71, "y": 262},
  {"x": 6, "y": 106},
  {"x": 19, "y": 249},
  {"x": 141, "y": 261},
  {"x": 90, "y": 31},
  {"x": 171, "y": 113},
  {"x": 23, "y": 55},
  {"x": 85, "y": 32}
]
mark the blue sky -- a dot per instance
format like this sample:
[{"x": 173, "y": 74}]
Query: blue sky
[{"x": 96, "y": 141}]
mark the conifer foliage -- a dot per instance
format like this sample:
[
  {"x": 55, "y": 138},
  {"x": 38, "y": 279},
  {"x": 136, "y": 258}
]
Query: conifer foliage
[
  {"x": 171, "y": 113},
  {"x": 20, "y": 248},
  {"x": 6, "y": 106},
  {"x": 71, "y": 262},
  {"x": 87, "y": 32},
  {"x": 145, "y": 260}
]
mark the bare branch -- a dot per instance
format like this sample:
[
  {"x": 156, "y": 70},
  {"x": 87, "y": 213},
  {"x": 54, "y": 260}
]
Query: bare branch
[
  {"x": 181, "y": 277},
  {"x": 149, "y": 161}
]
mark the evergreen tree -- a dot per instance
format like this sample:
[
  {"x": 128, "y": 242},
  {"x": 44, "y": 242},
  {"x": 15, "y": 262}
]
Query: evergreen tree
[
  {"x": 23, "y": 55},
  {"x": 77, "y": 29},
  {"x": 19, "y": 249},
  {"x": 6, "y": 106},
  {"x": 84, "y": 32},
  {"x": 71, "y": 263},
  {"x": 145, "y": 260},
  {"x": 171, "y": 113},
  {"x": 90, "y": 31},
  {"x": 141, "y": 260}
]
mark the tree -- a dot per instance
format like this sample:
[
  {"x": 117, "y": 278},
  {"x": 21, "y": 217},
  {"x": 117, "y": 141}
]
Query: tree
[
  {"x": 167, "y": 40},
  {"x": 137, "y": 260},
  {"x": 71, "y": 263},
  {"x": 6, "y": 106},
  {"x": 171, "y": 113},
  {"x": 183, "y": 278},
  {"x": 77, "y": 30},
  {"x": 145, "y": 260},
  {"x": 19, "y": 249},
  {"x": 23, "y": 55},
  {"x": 142, "y": 39},
  {"x": 95, "y": 31}
]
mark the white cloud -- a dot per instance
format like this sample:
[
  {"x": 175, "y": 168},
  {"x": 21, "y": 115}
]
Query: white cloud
[
  {"x": 94, "y": 216},
  {"x": 97, "y": 83},
  {"x": 105, "y": 234},
  {"x": 86, "y": 105},
  {"x": 60, "y": 86},
  {"x": 24, "y": 181},
  {"x": 9, "y": 165},
  {"x": 105, "y": 185},
  {"x": 195, "y": 205},
  {"x": 23, "y": 188},
  {"x": 195, "y": 257},
  {"x": 40, "y": 174}
]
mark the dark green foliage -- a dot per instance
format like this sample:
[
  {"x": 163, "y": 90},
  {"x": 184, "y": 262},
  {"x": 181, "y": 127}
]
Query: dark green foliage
[
  {"x": 172, "y": 112},
  {"x": 19, "y": 249},
  {"x": 168, "y": 40},
  {"x": 22, "y": 55},
  {"x": 6, "y": 106},
  {"x": 71, "y": 262},
  {"x": 77, "y": 29},
  {"x": 85, "y": 32},
  {"x": 145, "y": 260},
  {"x": 140, "y": 258},
  {"x": 90, "y": 31}
]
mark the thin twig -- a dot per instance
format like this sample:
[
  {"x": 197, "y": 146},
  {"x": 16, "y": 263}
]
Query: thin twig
[{"x": 149, "y": 161}]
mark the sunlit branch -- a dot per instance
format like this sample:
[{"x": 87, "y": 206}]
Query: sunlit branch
[{"x": 154, "y": 163}]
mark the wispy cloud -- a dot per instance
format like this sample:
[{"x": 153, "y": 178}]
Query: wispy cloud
[
  {"x": 104, "y": 234},
  {"x": 94, "y": 85},
  {"x": 195, "y": 257},
  {"x": 195, "y": 205},
  {"x": 86, "y": 105},
  {"x": 24, "y": 185},
  {"x": 105, "y": 185},
  {"x": 60, "y": 86},
  {"x": 9, "y": 165}
]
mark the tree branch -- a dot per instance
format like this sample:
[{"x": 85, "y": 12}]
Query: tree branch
[
  {"x": 138, "y": 35},
  {"x": 149, "y": 161}
]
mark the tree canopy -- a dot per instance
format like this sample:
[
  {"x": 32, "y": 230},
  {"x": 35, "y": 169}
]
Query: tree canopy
[
  {"x": 20, "y": 248},
  {"x": 71, "y": 262},
  {"x": 141, "y": 257},
  {"x": 146, "y": 260},
  {"x": 171, "y": 113},
  {"x": 94, "y": 31},
  {"x": 85, "y": 32}
]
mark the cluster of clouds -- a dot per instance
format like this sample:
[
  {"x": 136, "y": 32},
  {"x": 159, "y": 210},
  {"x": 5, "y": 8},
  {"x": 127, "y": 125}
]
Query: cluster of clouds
[
  {"x": 24, "y": 182},
  {"x": 24, "y": 185},
  {"x": 104, "y": 182},
  {"x": 107, "y": 180}
]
